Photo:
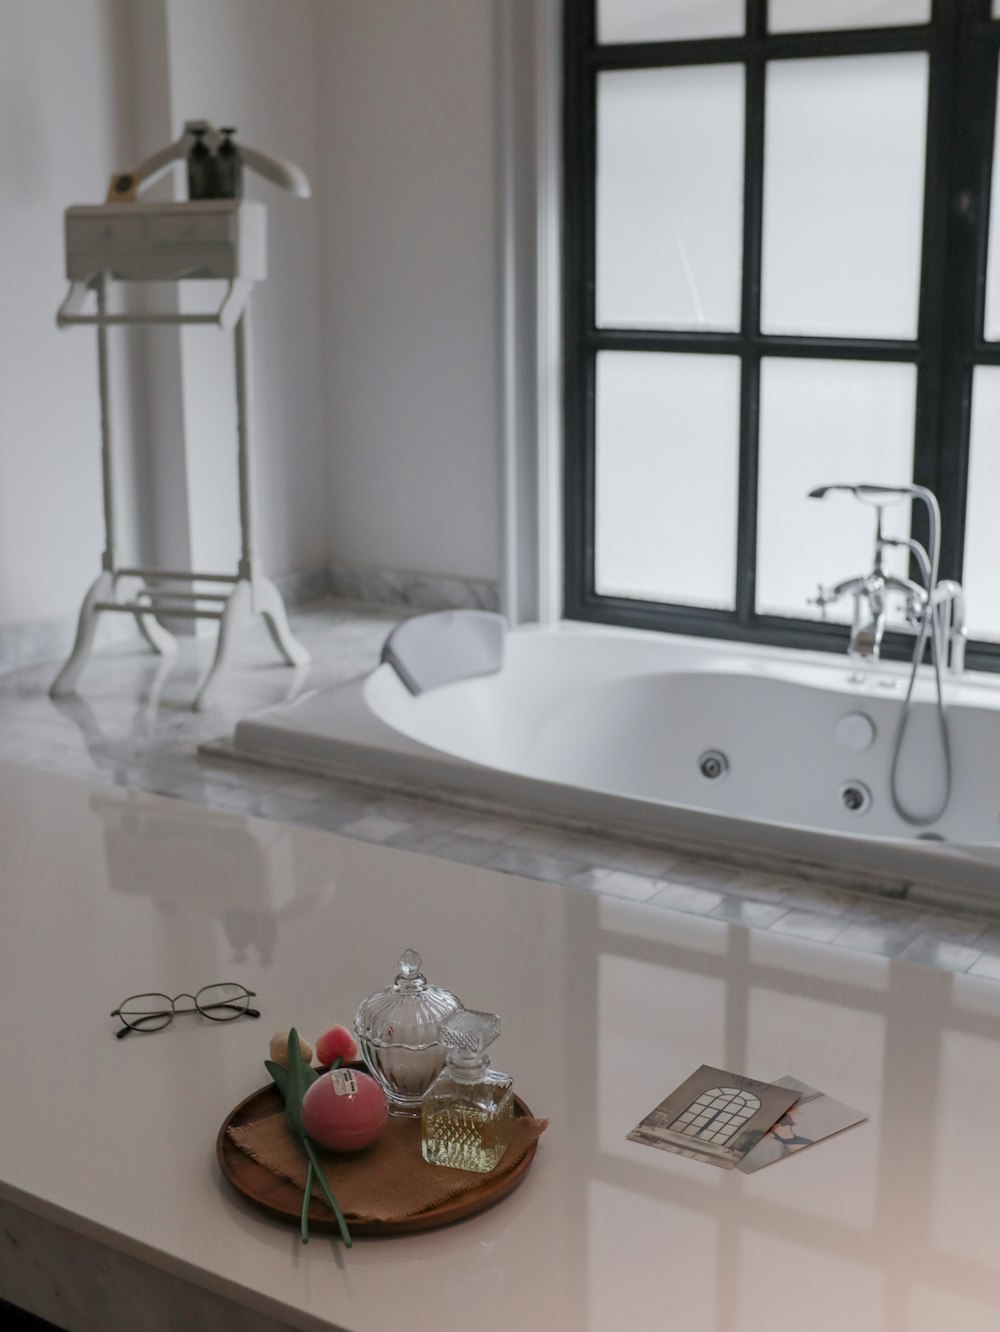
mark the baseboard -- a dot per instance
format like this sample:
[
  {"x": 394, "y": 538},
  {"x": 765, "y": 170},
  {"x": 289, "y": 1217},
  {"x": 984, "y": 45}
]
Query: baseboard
[{"x": 403, "y": 587}]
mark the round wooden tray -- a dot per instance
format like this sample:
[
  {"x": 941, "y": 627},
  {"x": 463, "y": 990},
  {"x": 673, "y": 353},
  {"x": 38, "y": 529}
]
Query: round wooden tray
[{"x": 283, "y": 1200}]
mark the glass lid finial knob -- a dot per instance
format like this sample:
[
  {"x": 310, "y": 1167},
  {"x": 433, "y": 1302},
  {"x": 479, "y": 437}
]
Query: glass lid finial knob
[{"x": 410, "y": 964}]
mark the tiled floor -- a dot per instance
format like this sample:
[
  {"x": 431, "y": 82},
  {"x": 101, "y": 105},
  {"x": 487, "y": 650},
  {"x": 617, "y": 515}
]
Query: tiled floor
[{"x": 132, "y": 725}]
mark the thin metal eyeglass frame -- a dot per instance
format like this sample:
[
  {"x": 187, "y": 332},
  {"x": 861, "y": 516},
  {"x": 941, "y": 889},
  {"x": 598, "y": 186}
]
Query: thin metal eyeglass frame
[{"x": 171, "y": 1012}]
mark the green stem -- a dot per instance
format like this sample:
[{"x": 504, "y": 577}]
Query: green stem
[
  {"x": 345, "y": 1234},
  {"x": 306, "y": 1199}
]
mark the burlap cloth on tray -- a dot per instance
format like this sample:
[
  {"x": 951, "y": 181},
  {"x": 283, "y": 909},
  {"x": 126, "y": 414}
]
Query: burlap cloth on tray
[{"x": 385, "y": 1182}]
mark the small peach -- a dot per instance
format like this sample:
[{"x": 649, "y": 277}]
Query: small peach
[
  {"x": 279, "y": 1049},
  {"x": 337, "y": 1043}
]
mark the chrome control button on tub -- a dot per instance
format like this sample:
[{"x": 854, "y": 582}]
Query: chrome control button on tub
[
  {"x": 855, "y": 731},
  {"x": 855, "y": 797},
  {"x": 713, "y": 765}
]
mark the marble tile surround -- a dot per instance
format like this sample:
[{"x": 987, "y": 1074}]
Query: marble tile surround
[{"x": 131, "y": 726}]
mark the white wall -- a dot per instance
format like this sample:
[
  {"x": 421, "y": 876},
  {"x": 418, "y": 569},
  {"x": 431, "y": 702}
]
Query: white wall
[
  {"x": 377, "y": 332},
  {"x": 410, "y": 216},
  {"x": 60, "y": 129},
  {"x": 252, "y": 64}
]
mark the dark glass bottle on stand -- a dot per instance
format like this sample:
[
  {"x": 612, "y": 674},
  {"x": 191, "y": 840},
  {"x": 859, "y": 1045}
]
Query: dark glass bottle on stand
[
  {"x": 229, "y": 167},
  {"x": 200, "y": 168}
]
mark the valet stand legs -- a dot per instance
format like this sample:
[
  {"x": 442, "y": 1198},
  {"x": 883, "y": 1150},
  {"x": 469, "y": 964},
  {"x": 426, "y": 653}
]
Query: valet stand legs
[
  {"x": 108, "y": 591},
  {"x": 135, "y": 591}
]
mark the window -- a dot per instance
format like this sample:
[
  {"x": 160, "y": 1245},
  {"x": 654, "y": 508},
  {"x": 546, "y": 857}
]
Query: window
[{"x": 781, "y": 271}]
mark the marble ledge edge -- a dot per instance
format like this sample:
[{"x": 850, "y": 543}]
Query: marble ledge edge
[
  {"x": 119, "y": 1263},
  {"x": 882, "y": 887}
]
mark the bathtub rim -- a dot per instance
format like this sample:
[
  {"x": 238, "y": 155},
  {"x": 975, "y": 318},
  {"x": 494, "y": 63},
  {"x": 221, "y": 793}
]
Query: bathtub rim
[{"x": 373, "y": 754}]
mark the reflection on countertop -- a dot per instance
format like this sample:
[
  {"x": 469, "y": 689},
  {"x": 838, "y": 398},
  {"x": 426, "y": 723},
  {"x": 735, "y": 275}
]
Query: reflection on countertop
[
  {"x": 247, "y": 873},
  {"x": 606, "y": 1006}
]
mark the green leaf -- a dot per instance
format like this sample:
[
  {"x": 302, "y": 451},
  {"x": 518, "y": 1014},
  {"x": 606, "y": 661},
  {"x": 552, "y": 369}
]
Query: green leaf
[
  {"x": 280, "y": 1075},
  {"x": 293, "y": 1082},
  {"x": 296, "y": 1086},
  {"x": 306, "y": 1200},
  {"x": 345, "y": 1234}
]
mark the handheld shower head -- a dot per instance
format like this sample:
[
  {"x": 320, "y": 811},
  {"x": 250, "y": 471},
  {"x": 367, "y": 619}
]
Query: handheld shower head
[
  {"x": 879, "y": 497},
  {"x": 867, "y": 493}
]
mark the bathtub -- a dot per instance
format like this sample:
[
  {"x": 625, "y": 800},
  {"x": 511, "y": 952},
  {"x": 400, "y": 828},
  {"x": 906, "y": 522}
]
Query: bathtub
[{"x": 748, "y": 754}]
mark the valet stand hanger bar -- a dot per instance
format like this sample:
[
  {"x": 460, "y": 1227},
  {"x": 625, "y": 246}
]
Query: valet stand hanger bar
[{"x": 142, "y": 242}]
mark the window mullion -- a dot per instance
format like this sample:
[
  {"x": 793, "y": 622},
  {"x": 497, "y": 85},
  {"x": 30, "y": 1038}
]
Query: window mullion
[
  {"x": 753, "y": 221},
  {"x": 579, "y": 147},
  {"x": 965, "y": 204},
  {"x": 931, "y": 412}
]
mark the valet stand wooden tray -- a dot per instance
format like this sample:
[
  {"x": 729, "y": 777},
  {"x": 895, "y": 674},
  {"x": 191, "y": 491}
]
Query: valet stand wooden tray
[{"x": 283, "y": 1200}]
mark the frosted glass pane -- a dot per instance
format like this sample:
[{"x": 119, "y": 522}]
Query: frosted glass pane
[
  {"x": 991, "y": 330},
  {"x": 996, "y": 8},
  {"x": 982, "y": 525},
  {"x": 667, "y": 20},
  {"x": 670, "y": 197},
  {"x": 823, "y": 423},
  {"x": 667, "y": 464},
  {"x": 843, "y": 195},
  {"x": 817, "y": 15}
]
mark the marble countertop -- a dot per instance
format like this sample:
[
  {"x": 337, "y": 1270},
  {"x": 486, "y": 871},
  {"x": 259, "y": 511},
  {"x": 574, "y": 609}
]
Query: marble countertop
[{"x": 606, "y": 1006}]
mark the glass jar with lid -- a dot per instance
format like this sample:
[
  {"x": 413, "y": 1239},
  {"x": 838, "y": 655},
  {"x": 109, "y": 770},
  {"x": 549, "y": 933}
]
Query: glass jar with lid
[{"x": 397, "y": 1031}]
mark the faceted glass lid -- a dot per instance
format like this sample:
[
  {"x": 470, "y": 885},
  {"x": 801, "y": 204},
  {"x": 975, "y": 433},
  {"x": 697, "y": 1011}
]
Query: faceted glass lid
[{"x": 408, "y": 1011}]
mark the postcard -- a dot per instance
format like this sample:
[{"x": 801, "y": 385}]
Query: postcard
[
  {"x": 813, "y": 1116},
  {"x": 714, "y": 1116}
]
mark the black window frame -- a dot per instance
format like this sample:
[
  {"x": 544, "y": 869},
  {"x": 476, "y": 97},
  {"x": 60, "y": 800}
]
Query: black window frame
[{"x": 962, "y": 41}]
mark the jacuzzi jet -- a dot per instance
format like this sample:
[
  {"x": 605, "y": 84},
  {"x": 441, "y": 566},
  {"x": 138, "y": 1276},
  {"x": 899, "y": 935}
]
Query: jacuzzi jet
[
  {"x": 713, "y": 765},
  {"x": 855, "y": 797}
]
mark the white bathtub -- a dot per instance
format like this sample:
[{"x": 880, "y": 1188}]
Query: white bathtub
[{"x": 607, "y": 727}]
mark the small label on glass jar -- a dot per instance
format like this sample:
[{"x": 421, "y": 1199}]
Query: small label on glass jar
[{"x": 344, "y": 1081}]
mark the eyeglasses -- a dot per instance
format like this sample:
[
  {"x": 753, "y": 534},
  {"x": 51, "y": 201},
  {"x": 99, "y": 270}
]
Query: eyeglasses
[{"x": 222, "y": 1002}]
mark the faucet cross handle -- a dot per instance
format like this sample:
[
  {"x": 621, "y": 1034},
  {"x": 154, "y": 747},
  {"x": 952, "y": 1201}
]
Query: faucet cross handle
[
  {"x": 824, "y": 596},
  {"x": 863, "y": 585}
]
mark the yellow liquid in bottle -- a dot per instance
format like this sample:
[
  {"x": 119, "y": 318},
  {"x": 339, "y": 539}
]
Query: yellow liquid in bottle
[{"x": 467, "y": 1137}]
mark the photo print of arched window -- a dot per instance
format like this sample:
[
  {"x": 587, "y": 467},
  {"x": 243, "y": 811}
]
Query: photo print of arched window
[{"x": 714, "y": 1116}]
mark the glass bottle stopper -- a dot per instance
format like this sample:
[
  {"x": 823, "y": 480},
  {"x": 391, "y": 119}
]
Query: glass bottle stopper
[{"x": 467, "y": 1033}]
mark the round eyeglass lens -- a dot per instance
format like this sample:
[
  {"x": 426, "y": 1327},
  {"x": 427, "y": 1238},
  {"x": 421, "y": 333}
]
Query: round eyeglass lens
[
  {"x": 222, "y": 1003},
  {"x": 147, "y": 1012}
]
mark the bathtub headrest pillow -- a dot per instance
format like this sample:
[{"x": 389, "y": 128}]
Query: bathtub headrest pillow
[{"x": 445, "y": 646}]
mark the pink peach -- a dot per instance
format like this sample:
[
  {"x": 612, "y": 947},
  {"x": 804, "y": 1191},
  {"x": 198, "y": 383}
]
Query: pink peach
[
  {"x": 337, "y": 1043},
  {"x": 344, "y": 1110}
]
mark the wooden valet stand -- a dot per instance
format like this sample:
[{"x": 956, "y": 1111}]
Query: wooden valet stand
[{"x": 217, "y": 238}]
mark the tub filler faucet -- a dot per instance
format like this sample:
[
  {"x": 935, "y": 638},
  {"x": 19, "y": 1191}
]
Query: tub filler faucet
[
  {"x": 936, "y": 610},
  {"x": 940, "y": 602}
]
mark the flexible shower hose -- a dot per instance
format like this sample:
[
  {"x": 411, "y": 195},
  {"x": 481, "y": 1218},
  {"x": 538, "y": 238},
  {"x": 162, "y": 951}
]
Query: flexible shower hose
[{"x": 929, "y": 626}]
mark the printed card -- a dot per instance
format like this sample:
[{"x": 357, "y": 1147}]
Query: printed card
[
  {"x": 813, "y": 1116},
  {"x": 715, "y": 1117}
]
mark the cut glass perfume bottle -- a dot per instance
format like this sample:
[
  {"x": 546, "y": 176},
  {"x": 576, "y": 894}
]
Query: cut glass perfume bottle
[{"x": 468, "y": 1114}]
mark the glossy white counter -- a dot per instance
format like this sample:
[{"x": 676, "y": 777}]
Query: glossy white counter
[{"x": 606, "y": 1006}]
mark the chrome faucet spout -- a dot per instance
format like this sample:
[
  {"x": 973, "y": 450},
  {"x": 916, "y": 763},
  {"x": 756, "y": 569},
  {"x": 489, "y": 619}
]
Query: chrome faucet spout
[{"x": 866, "y": 639}]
